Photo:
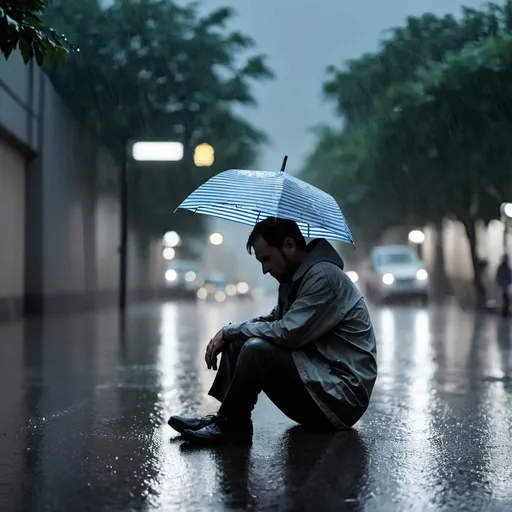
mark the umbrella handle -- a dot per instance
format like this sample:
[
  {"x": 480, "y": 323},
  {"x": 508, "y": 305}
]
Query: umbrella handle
[{"x": 283, "y": 167}]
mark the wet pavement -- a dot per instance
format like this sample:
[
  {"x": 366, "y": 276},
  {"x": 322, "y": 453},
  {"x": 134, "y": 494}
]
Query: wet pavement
[{"x": 83, "y": 415}]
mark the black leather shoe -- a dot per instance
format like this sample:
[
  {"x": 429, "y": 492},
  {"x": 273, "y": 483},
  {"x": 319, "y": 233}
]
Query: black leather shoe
[
  {"x": 221, "y": 430},
  {"x": 180, "y": 424}
]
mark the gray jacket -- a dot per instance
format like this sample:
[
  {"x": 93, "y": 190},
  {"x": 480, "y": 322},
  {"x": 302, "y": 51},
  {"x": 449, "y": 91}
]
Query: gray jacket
[{"x": 322, "y": 317}]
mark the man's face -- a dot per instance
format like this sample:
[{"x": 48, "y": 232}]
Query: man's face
[{"x": 278, "y": 262}]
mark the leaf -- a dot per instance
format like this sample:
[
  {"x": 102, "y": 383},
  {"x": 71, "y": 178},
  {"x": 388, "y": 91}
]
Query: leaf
[
  {"x": 23, "y": 28},
  {"x": 39, "y": 56},
  {"x": 26, "y": 49}
]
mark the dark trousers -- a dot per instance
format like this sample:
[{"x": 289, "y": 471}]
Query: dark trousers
[{"x": 247, "y": 368}]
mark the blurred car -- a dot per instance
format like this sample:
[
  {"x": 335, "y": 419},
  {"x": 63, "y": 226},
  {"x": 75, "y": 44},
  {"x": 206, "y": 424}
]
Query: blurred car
[
  {"x": 239, "y": 289},
  {"x": 243, "y": 290},
  {"x": 184, "y": 275},
  {"x": 214, "y": 287},
  {"x": 396, "y": 271}
]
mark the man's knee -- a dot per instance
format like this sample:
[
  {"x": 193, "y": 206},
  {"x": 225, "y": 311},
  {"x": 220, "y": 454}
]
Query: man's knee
[{"x": 256, "y": 347}]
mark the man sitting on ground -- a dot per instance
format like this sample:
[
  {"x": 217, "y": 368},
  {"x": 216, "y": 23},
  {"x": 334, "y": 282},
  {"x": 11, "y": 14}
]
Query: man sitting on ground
[{"x": 314, "y": 355}]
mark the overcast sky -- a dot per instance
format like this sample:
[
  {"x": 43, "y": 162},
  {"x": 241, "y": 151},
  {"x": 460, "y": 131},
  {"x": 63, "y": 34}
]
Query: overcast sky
[{"x": 303, "y": 37}]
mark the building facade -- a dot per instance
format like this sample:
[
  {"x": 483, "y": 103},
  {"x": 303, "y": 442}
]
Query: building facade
[{"x": 59, "y": 228}]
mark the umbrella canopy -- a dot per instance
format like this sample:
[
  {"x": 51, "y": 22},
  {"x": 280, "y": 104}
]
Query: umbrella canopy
[{"x": 248, "y": 197}]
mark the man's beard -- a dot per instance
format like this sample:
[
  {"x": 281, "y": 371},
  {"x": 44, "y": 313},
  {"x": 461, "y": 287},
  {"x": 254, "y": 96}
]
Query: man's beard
[{"x": 289, "y": 269}]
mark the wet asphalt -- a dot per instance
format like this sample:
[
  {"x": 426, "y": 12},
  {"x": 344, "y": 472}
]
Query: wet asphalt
[{"x": 84, "y": 405}]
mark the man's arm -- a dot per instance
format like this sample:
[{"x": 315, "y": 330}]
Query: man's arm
[
  {"x": 315, "y": 312},
  {"x": 272, "y": 316}
]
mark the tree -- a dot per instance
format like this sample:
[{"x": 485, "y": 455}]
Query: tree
[
  {"x": 458, "y": 110},
  {"x": 343, "y": 165},
  {"x": 358, "y": 87},
  {"x": 162, "y": 72},
  {"x": 21, "y": 28},
  {"x": 433, "y": 104}
]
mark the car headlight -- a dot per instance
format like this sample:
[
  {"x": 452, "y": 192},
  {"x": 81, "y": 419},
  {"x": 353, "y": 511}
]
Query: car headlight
[
  {"x": 242, "y": 288},
  {"x": 171, "y": 275},
  {"x": 202, "y": 293},
  {"x": 190, "y": 276},
  {"x": 231, "y": 290},
  {"x": 353, "y": 276},
  {"x": 220, "y": 296},
  {"x": 388, "y": 279},
  {"x": 422, "y": 275}
]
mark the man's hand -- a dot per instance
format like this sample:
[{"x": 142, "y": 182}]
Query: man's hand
[{"x": 213, "y": 349}]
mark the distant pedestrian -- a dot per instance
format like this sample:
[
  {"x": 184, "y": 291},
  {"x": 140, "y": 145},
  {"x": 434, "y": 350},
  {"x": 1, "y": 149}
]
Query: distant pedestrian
[{"x": 504, "y": 280}]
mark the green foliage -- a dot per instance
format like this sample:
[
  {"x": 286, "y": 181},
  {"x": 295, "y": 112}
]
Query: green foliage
[
  {"x": 428, "y": 125},
  {"x": 21, "y": 28},
  {"x": 161, "y": 72}
]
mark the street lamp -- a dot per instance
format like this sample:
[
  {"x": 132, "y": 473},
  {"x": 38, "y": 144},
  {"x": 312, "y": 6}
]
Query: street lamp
[
  {"x": 172, "y": 239},
  {"x": 506, "y": 218},
  {"x": 141, "y": 152},
  {"x": 204, "y": 155},
  {"x": 216, "y": 238},
  {"x": 417, "y": 237},
  {"x": 157, "y": 151},
  {"x": 168, "y": 253}
]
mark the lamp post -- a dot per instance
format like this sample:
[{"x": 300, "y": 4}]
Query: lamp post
[
  {"x": 204, "y": 155},
  {"x": 506, "y": 218},
  {"x": 417, "y": 237},
  {"x": 141, "y": 152}
]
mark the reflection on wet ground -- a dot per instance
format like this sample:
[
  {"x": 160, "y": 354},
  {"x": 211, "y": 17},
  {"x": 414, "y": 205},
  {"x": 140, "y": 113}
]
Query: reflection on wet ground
[{"x": 83, "y": 412}]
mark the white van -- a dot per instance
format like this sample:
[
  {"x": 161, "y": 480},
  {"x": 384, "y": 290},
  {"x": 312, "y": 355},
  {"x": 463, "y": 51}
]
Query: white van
[{"x": 396, "y": 270}]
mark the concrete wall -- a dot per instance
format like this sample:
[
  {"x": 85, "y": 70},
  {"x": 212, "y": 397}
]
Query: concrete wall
[
  {"x": 59, "y": 230},
  {"x": 458, "y": 264},
  {"x": 12, "y": 221}
]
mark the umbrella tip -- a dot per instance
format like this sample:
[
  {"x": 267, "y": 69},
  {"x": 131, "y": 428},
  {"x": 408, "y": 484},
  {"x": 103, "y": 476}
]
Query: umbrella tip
[{"x": 285, "y": 159}]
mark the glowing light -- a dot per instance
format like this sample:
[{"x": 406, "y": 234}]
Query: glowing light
[
  {"x": 204, "y": 155},
  {"x": 506, "y": 209},
  {"x": 388, "y": 279},
  {"x": 220, "y": 296},
  {"x": 422, "y": 275},
  {"x": 353, "y": 276},
  {"x": 171, "y": 275},
  {"x": 157, "y": 151},
  {"x": 231, "y": 289},
  {"x": 171, "y": 239},
  {"x": 216, "y": 238},
  {"x": 190, "y": 276},
  {"x": 168, "y": 253},
  {"x": 416, "y": 236},
  {"x": 202, "y": 293},
  {"x": 242, "y": 288}
]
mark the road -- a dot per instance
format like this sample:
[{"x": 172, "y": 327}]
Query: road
[{"x": 83, "y": 415}]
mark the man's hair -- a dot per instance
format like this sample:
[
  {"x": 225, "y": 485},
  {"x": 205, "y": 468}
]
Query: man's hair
[{"x": 274, "y": 231}]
